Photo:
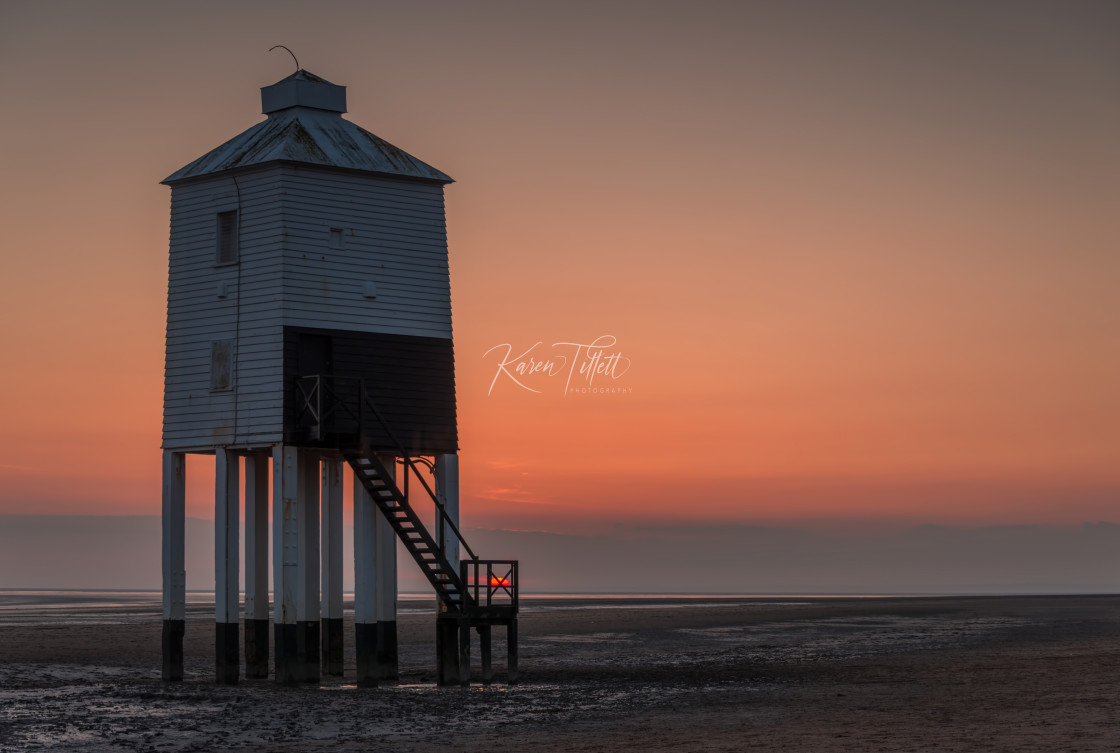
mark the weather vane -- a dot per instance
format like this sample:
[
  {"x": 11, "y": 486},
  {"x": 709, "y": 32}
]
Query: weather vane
[{"x": 282, "y": 47}]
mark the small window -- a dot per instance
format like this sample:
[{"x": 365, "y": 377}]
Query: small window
[
  {"x": 336, "y": 238},
  {"x": 221, "y": 365},
  {"x": 227, "y": 237}
]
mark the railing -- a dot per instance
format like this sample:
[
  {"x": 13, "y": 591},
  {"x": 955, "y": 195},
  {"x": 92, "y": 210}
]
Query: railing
[
  {"x": 491, "y": 583},
  {"x": 309, "y": 406},
  {"x": 322, "y": 409},
  {"x": 323, "y": 406}
]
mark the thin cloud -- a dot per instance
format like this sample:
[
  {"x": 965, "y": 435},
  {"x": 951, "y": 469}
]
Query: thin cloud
[{"x": 519, "y": 496}]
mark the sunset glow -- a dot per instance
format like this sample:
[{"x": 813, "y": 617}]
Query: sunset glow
[{"x": 853, "y": 272}]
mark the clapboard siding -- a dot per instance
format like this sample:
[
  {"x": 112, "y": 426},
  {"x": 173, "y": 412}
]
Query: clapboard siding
[
  {"x": 394, "y": 236},
  {"x": 251, "y": 412}
]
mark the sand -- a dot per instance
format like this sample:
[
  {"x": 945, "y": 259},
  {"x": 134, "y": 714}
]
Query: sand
[{"x": 789, "y": 674}]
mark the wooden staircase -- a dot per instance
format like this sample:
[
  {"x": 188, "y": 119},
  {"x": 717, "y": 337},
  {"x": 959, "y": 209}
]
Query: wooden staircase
[
  {"x": 337, "y": 412},
  {"x": 377, "y": 480}
]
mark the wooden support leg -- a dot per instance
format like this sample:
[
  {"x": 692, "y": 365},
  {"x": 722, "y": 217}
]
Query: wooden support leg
[
  {"x": 174, "y": 570},
  {"x": 447, "y": 489},
  {"x": 387, "y": 667},
  {"x": 448, "y": 658},
  {"x": 308, "y": 614},
  {"x": 484, "y": 654},
  {"x": 365, "y": 586},
  {"x": 256, "y": 566},
  {"x": 330, "y": 547},
  {"x": 385, "y": 543},
  {"x": 173, "y": 631},
  {"x": 285, "y": 559},
  {"x": 511, "y": 651},
  {"x": 464, "y": 653},
  {"x": 227, "y": 578},
  {"x": 447, "y": 652}
]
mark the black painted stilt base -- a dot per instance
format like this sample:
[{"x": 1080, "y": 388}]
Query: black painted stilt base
[
  {"x": 465, "y": 653},
  {"x": 388, "y": 666},
  {"x": 307, "y": 651},
  {"x": 484, "y": 654},
  {"x": 256, "y": 649},
  {"x": 173, "y": 649},
  {"x": 227, "y": 667},
  {"x": 285, "y": 653},
  {"x": 447, "y": 652},
  {"x": 331, "y": 629},
  {"x": 365, "y": 647},
  {"x": 511, "y": 651}
]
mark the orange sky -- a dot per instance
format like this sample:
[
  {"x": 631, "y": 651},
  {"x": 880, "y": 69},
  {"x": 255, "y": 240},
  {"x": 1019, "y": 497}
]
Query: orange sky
[{"x": 863, "y": 261}]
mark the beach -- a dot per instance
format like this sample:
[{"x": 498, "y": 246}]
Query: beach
[{"x": 1015, "y": 673}]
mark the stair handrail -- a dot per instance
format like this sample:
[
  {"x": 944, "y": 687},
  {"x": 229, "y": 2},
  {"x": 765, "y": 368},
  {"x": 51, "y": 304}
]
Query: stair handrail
[{"x": 443, "y": 519}]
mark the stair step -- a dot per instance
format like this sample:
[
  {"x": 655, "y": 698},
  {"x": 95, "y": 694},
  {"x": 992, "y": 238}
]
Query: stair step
[{"x": 377, "y": 481}]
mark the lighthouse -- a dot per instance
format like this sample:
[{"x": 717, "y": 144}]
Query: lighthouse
[{"x": 309, "y": 336}]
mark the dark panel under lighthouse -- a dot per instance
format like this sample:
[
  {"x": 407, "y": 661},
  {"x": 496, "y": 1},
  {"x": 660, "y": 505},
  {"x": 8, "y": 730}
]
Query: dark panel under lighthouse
[{"x": 410, "y": 379}]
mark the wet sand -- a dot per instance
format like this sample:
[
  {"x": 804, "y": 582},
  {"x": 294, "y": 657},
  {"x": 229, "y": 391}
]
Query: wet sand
[{"x": 783, "y": 674}]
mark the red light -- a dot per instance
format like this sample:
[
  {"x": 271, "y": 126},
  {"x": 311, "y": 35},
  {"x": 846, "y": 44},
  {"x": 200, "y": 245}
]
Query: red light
[{"x": 496, "y": 582}]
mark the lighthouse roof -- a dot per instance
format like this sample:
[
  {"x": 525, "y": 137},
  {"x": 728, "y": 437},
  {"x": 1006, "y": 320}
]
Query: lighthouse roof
[{"x": 305, "y": 125}]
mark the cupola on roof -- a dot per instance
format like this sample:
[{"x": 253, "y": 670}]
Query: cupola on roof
[
  {"x": 303, "y": 89},
  {"x": 305, "y": 125}
]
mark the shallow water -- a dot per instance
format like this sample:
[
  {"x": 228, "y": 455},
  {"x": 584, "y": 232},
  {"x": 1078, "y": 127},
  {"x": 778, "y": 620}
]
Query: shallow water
[{"x": 80, "y": 607}]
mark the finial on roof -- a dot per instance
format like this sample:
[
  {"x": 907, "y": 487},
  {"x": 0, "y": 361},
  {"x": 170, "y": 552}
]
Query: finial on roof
[{"x": 282, "y": 47}]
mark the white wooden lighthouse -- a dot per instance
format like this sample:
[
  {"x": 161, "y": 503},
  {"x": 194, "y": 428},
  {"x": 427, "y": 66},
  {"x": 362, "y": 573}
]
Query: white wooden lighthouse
[{"x": 308, "y": 331}]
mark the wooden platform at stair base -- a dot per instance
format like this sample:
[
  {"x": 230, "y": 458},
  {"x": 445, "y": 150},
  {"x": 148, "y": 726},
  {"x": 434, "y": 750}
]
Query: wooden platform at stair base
[{"x": 453, "y": 644}]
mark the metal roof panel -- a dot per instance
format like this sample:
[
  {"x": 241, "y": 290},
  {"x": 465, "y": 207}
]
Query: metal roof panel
[{"x": 312, "y": 136}]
